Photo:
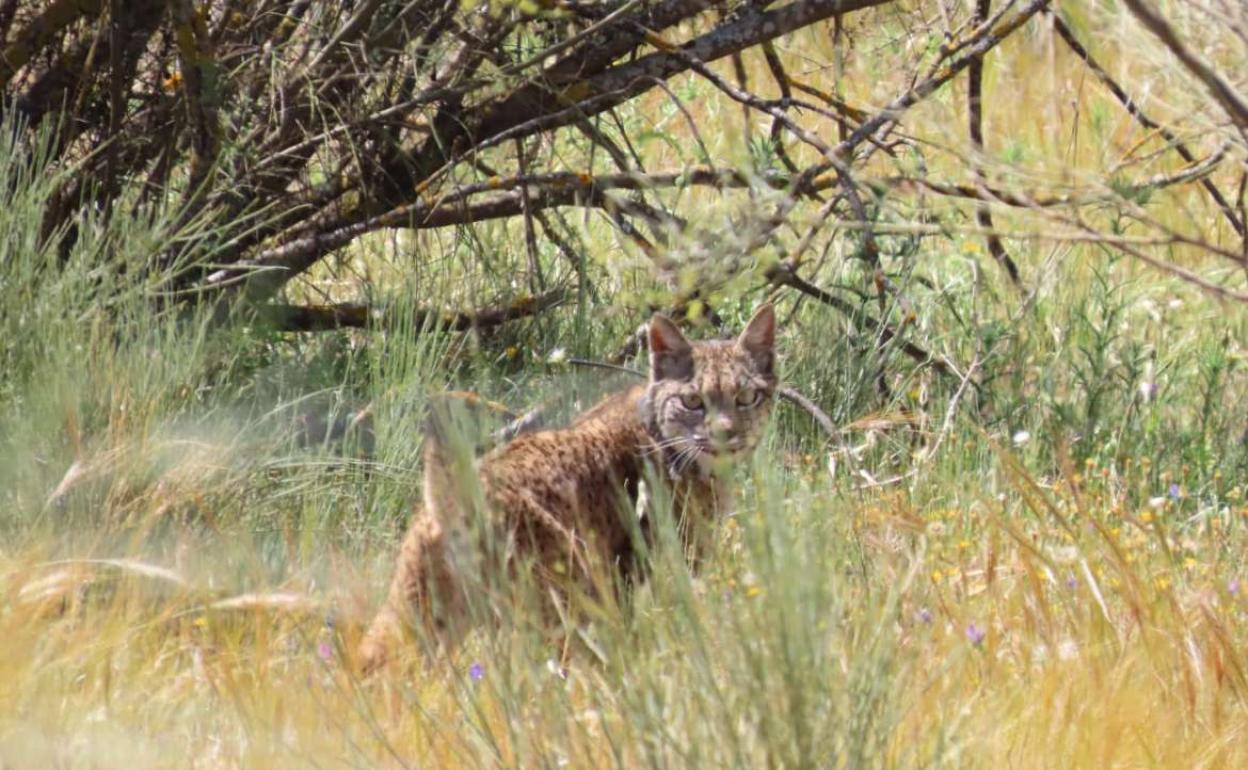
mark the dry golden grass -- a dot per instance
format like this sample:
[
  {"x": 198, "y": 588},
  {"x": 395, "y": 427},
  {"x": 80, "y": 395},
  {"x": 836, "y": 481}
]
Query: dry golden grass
[
  {"x": 188, "y": 600},
  {"x": 1084, "y": 635}
]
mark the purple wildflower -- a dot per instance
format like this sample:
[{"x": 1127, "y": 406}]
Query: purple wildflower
[
  {"x": 1175, "y": 492},
  {"x": 1232, "y": 586},
  {"x": 976, "y": 634},
  {"x": 325, "y": 650},
  {"x": 1072, "y": 582},
  {"x": 476, "y": 671},
  {"x": 924, "y": 615}
]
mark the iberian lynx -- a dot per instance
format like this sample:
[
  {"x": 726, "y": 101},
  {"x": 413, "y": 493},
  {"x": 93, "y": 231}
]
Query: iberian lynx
[{"x": 561, "y": 501}]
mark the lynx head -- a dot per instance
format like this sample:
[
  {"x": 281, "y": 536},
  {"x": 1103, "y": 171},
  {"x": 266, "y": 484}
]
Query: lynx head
[{"x": 709, "y": 400}]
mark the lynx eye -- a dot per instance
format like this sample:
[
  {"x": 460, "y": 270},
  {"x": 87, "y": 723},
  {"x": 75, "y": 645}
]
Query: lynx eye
[
  {"x": 749, "y": 397},
  {"x": 691, "y": 401}
]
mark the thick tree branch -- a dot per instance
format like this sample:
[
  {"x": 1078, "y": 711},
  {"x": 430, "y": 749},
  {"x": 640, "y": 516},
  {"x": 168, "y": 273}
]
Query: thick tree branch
[
  {"x": 201, "y": 89},
  {"x": 41, "y": 31},
  {"x": 546, "y": 191},
  {"x": 537, "y": 107},
  {"x": 975, "y": 118}
]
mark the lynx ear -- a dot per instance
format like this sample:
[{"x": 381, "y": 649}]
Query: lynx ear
[
  {"x": 758, "y": 339},
  {"x": 671, "y": 355}
]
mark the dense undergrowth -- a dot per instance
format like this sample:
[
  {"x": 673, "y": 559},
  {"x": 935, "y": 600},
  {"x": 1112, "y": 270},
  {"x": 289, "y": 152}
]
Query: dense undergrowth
[{"x": 1032, "y": 560}]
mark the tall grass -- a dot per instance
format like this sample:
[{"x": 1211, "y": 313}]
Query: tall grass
[{"x": 1041, "y": 569}]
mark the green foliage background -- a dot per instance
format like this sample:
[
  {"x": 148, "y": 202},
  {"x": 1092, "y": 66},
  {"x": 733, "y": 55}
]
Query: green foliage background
[{"x": 1039, "y": 568}]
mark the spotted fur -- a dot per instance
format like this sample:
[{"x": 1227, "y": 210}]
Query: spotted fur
[{"x": 562, "y": 501}]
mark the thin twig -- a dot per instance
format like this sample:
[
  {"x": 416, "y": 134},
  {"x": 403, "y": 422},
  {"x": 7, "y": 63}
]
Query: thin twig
[
  {"x": 951, "y": 411},
  {"x": 783, "y": 275},
  {"x": 1222, "y": 92},
  {"x": 1134, "y": 110}
]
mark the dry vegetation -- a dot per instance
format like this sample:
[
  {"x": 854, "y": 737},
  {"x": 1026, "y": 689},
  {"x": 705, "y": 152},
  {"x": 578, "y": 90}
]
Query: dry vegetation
[{"x": 1024, "y": 548}]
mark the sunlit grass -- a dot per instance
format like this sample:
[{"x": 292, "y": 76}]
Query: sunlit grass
[
  {"x": 1061, "y": 624},
  {"x": 1050, "y": 575}
]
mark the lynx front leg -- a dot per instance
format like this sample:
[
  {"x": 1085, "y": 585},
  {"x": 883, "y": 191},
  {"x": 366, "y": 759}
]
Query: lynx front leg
[{"x": 425, "y": 591}]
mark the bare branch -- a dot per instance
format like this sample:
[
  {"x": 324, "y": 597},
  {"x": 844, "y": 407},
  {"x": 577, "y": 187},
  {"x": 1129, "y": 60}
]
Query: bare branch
[
  {"x": 985, "y": 39},
  {"x": 782, "y": 275},
  {"x": 1133, "y": 109},
  {"x": 1222, "y": 91},
  {"x": 41, "y": 31},
  {"x": 1198, "y": 171},
  {"x": 975, "y": 117},
  {"x": 199, "y": 79}
]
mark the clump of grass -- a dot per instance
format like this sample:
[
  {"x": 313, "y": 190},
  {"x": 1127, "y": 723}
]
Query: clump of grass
[
  {"x": 1041, "y": 568},
  {"x": 834, "y": 629}
]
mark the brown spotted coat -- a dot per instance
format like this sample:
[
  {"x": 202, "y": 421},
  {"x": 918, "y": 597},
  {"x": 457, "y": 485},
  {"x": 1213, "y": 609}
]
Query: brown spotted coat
[{"x": 562, "y": 502}]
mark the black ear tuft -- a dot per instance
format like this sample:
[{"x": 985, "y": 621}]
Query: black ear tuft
[{"x": 671, "y": 355}]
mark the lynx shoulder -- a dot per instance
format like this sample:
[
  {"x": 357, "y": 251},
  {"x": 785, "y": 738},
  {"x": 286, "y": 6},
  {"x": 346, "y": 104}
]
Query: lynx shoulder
[{"x": 566, "y": 497}]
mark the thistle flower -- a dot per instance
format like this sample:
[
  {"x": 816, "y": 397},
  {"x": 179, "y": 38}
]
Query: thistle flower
[
  {"x": 325, "y": 650},
  {"x": 976, "y": 634}
]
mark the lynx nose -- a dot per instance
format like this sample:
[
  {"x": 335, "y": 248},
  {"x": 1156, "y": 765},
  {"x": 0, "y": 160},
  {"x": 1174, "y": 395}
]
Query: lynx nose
[{"x": 722, "y": 425}]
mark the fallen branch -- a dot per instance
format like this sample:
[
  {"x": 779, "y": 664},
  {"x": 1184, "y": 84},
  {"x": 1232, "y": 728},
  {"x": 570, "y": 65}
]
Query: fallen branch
[{"x": 317, "y": 318}]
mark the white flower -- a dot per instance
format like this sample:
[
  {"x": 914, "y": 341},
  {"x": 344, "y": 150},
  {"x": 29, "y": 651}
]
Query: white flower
[
  {"x": 554, "y": 669},
  {"x": 1022, "y": 437},
  {"x": 557, "y": 356}
]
